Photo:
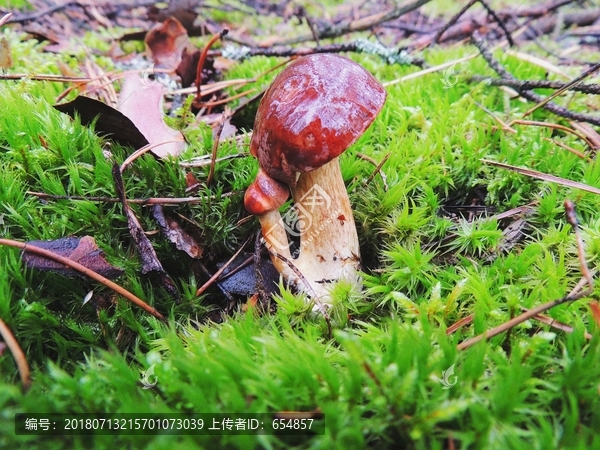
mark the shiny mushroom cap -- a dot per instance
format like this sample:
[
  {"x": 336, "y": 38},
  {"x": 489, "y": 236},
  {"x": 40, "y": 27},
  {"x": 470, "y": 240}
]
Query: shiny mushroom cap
[{"x": 315, "y": 109}]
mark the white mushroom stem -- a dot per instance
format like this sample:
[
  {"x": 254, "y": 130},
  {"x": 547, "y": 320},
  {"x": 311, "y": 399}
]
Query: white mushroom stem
[
  {"x": 329, "y": 249},
  {"x": 276, "y": 240}
]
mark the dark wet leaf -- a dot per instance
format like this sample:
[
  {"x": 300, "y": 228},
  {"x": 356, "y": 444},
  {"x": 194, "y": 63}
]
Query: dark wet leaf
[
  {"x": 150, "y": 262},
  {"x": 82, "y": 250},
  {"x": 244, "y": 279},
  {"x": 176, "y": 234},
  {"x": 110, "y": 122}
]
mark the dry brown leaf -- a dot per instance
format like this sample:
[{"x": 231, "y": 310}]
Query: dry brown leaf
[
  {"x": 6, "y": 61},
  {"x": 141, "y": 101},
  {"x": 165, "y": 43},
  {"x": 82, "y": 250}
]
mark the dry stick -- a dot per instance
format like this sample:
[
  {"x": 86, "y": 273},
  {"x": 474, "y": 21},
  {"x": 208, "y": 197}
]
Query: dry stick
[
  {"x": 527, "y": 85},
  {"x": 4, "y": 19},
  {"x": 303, "y": 51},
  {"x": 572, "y": 219},
  {"x": 573, "y": 295},
  {"x": 135, "y": 201},
  {"x": 529, "y": 95},
  {"x": 86, "y": 271},
  {"x": 570, "y": 149},
  {"x": 228, "y": 99},
  {"x": 378, "y": 170},
  {"x": 365, "y": 23},
  {"x": 490, "y": 11},
  {"x": 44, "y": 77},
  {"x": 213, "y": 160},
  {"x": 145, "y": 149},
  {"x": 570, "y": 84},
  {"x": 504, "y": 125},
  {"x": 200, "y": 66},
  {"x": 556, "y": 126},
  {"x": 218, "y": 273},
  {"x": 556, "y": 324},
  {"x": 18, "y": 355},
  {"x": 544, "y": 176},
  {"x": 520, "y": 319}
]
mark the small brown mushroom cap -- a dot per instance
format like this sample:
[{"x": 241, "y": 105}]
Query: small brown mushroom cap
[
  {"x": 315, "y": 109},
  {"x": 265, "y": 194}
]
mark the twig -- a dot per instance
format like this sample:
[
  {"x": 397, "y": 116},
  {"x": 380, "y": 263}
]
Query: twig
[
  {"x": 377, "y": 170},
  {"x": 555, "y": 126},
  {"x": 529, "y": 95},
  {"x": 41, "y": 13},
  {"x": 136, "y": 201},
  {"x": 453, "y": 20},
  {"x": 86, "y": 271},
  {"x": 527, "y": 85},
  {"x": 555, "y": 323},
  {"x": 303, "y": 51},
  {"x": 568, "y": 85},
  {"x": 572, "y": 219},
  {"x": 145, "y": 149},
  {"x": 330, "y": 30},
  {"x": 544, "y": 176},
  {"x": 4, "y": 19},
  {"x": 213, "y": 160},
  {"x": 520, "y": 319},
  {"x": 203, "y": 55},
  {"x": 18, "y": 355},
  {"x": 489, "y": 10}
]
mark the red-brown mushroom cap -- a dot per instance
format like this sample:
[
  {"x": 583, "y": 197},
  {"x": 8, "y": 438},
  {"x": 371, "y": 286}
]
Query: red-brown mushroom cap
[
  {"x": 315, "y": 109},
  {"x": 265, "y": 194}
]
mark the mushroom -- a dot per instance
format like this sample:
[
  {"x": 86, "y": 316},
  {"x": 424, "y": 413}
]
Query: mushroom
[{"x": 315, "y": 109}]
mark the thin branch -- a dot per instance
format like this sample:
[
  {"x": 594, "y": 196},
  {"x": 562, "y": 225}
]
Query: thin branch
[
  {"x": 528, "y": 85},
  {"x": 86, "y": 271},
  {"x": 136, "y": 201},
  {"x": 18, "y": 355},
  {"x": 529, "y": 95},
  {"x": 330, "y": 30},
  {"x": 520, "y": 319}
]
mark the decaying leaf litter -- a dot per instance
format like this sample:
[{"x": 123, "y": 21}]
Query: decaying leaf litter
[{"x": 393, "y": 36}]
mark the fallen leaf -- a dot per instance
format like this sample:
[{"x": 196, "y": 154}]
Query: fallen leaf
[
  {"x": 245, "y": 280},
  {"x": 109, "y": 122},
  {"x": 82, "y": 250},
  {"x": 188, "y": 66},
  {"x": 150, "y": 262},
  {"x": 141, "y": 101},
  {"x": 176, "y": 234},
  {"x": 6, "y": 61},
  {"x": 165, "y": 43}
]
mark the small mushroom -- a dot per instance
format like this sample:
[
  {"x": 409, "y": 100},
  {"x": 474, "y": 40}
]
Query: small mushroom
[{"x": 315, "y": 109}]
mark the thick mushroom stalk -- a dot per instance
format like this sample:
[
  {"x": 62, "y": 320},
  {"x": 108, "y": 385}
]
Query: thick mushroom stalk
[
  {"x": 329, "y": 249},
  {"x": 315, "y": 109}
]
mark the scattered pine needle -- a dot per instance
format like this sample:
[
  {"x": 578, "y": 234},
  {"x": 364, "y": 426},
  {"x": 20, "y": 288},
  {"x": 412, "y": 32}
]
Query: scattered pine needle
[{"x": 544, "y": 176}]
